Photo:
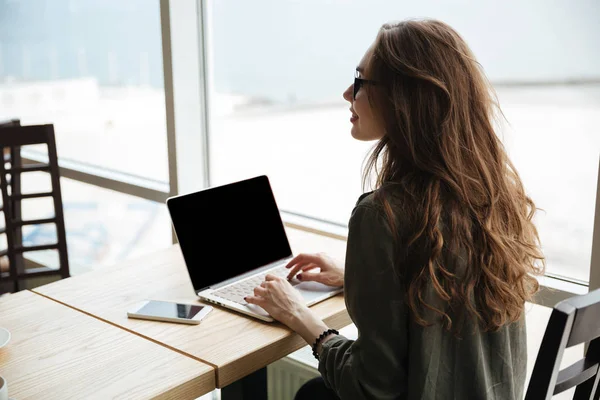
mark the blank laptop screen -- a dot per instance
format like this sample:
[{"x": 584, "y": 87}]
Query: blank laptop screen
[{"x": 228, "y": 230}]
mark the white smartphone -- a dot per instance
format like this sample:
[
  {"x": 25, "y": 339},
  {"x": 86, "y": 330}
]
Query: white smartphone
[{"x": 156, "y": 310}]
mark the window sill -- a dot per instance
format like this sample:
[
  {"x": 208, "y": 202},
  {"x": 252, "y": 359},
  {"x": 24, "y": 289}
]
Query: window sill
[
  {"x": 553, "y": 290},
  {"x": 313, "y": 226},
  {"x": 108, "y": 179}
]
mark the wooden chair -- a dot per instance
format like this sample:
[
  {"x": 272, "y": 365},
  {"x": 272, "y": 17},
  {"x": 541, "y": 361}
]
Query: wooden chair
[
  {"x": 11, "y": 139},
  {"x": 10, "y": 122},
  {"x": 6, "y": 154},
  {"x": 573, "y": 321}
]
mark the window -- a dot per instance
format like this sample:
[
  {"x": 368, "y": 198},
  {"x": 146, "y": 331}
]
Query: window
[
  {"x": 93, "y": 68},
  {"x": 102, "y": 226},
  {"x": 279, "y": 68}
]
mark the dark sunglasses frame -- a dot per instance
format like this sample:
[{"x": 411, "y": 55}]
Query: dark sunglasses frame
[{"x": 359, "y": 82}]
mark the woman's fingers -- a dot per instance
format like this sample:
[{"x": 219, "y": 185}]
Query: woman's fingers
[
  {"x": 293, "y": 261},
  {"x": 260, "y": 291},
  {"x": 259, "y": 301},
  {"x": 309, "y": 267},
  {"x": 297, "y": 269},
  {"x": 294, "y": 271},
  {"x": 303, "y": 258},
  {"x": 311, "y": 276}
]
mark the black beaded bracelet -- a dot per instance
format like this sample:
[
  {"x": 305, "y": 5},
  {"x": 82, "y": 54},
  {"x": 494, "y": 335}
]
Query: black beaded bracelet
[{"x": 321, "y": 337}]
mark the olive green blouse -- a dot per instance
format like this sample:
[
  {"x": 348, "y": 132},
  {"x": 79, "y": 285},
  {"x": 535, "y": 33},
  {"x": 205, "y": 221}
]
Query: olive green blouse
[{"x": 396, "y": 358}]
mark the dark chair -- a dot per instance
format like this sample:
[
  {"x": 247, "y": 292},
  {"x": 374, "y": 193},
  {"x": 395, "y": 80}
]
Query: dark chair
[
  {"x": 11, "y": 139},
  {"x": 573, "y": 321},
  {"x": 10, "y": 122},
  {"x": 6, "y": 154}
]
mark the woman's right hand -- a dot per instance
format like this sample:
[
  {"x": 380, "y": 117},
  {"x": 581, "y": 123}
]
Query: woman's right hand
[{"x": 330, "y": 273}]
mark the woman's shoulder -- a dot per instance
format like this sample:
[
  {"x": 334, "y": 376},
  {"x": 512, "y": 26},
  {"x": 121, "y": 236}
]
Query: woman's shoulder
[
  {"x": 365, "y": 198},
  {"x": 382, "y": 205},
  {"x": 386, "y": 197},
  {"x": 370, "y": 202}
]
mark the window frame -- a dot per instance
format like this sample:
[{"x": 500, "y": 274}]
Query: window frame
[{"x": 187, "y": 80}]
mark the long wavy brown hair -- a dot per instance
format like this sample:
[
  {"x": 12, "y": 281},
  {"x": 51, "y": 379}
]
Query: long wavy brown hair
[{"x": 444, "y": 174}]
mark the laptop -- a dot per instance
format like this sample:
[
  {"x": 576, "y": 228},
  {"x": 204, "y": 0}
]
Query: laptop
[{"x": 230, "y": 237}]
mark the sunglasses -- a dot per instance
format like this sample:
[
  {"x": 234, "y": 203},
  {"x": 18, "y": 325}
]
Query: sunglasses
[{"x": 358, "y": 82}]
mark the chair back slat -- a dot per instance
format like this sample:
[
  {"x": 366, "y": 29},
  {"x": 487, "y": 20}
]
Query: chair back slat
[
  {"x": 587, "y": 323},
  {"x": 24, "y": 135},
  {"x": 10, "y": 122},
  {"x": 573, "y": 321},
  {"x": 575, "y": 374}
]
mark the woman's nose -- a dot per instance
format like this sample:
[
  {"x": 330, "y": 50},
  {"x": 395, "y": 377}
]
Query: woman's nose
[{"x": 348, "y": 93}]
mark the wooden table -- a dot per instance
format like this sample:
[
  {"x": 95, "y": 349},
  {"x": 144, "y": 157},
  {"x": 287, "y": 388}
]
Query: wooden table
[
  {"x": 234, "y": 344},
  {"x": 56, "y": 353}
]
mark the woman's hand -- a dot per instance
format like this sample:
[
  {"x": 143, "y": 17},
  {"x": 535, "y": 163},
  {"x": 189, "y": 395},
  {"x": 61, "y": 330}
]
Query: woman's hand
[
  {"x": 279, "y": 298},
  {"x": 284, "y": 303},
  {"x": 330, "y": 272}
]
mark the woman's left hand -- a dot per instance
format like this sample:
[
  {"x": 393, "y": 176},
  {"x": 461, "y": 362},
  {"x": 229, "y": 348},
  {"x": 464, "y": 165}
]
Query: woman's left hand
[
  {"x": 285, "y": 304},
  {"x": 279, "y": 299}
]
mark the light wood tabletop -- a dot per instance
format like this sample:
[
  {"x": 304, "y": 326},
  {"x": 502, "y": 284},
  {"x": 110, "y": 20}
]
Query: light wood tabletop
[
  {"x": 235, "y": 344},
  {"x": 56, "y": 352}
]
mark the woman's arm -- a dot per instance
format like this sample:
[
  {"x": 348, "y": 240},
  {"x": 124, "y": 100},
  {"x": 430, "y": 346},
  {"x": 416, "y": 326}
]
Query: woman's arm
[
  {"x": 285, "y": 304},
  {"x": 310, "y": 327},
  {"x": 375, "y": 365}
]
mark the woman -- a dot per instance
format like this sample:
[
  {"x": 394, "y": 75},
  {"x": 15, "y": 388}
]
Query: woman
[{"x": 441, "y": 256}]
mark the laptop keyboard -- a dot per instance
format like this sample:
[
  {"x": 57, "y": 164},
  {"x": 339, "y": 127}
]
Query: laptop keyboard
[{"x": 238, "y": 290}]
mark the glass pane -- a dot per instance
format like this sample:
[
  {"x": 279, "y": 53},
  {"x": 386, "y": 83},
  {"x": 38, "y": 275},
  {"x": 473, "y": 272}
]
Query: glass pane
[
  {"x": 102, "y": 226},
  {"x": 277, "y": 107},
  {"x": 93, "y": 68}
]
